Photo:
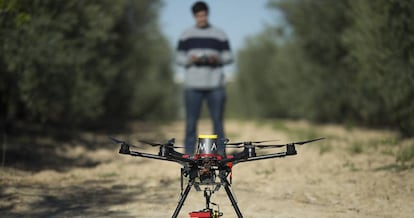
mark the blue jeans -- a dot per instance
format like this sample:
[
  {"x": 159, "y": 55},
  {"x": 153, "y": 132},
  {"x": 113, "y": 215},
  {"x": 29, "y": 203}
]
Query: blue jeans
[{"x": 193, "y": 98}]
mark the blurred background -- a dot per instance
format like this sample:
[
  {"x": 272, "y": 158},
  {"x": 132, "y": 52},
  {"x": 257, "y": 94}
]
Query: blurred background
[
  {"x": 77, "y": 63},
  {"x": 74, "y": 72}
]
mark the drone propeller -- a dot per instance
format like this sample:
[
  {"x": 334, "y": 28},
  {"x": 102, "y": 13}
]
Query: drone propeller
[
  {"x": 149, "y": 143},
  {"x": 283, "y": 145},
  {"x": 241, "y": 144},
  {"x": 170, "y": 143},
  {"x": 117, "y": 141}
]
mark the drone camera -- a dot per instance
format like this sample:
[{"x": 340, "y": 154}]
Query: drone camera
[{"x": 206, "y": 171}]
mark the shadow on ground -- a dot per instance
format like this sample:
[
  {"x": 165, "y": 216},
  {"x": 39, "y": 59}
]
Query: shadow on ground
[
  {"x": 35, "y": 148},
  {"x": 93, "y": 198}
]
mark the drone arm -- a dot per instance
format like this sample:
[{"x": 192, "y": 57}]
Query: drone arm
[
  {"x": 178, "y": 157},
  {"x": 235, "y": 158},
  {"x": 262, "y": 157},
  {"x": 290, "y": 150},
  {"x": 174, "y": 157}
]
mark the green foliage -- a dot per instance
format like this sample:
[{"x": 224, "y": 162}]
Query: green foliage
[
  {"x": 381, "y": 45},
  {"x": 255, "y": 61},
  {"x": 72, "y": 62},
  {"x": 347, "y": 61}
]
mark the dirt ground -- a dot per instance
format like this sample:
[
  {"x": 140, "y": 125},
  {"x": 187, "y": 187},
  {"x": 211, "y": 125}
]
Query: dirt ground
[{"x": 353, "y": 173}]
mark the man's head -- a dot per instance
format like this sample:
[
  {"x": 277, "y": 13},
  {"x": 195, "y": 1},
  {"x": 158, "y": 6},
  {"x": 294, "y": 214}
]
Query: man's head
[{"x": 200, "y": 12}]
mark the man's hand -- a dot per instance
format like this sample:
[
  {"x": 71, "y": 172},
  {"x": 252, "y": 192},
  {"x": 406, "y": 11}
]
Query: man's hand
[
  {"x": 194, "y": 59},
  {"x": 213, "y": 59}
]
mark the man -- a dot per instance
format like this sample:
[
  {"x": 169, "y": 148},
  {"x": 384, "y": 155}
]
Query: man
[{"x": 203, "y": 50}]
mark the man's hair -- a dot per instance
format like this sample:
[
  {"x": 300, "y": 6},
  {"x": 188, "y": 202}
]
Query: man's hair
[{"x": 199, "y": 6}]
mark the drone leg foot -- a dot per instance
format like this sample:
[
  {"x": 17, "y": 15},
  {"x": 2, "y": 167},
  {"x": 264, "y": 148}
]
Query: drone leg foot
[
  {"x": 233, "y": 201},
  {"x": 182, "y": 199}
]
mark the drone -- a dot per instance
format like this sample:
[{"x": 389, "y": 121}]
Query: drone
[{"x": 207, "y": 167}]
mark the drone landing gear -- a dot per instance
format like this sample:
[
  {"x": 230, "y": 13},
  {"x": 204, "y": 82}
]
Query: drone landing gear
[
  {"x": 207, "y": 212},
  {"x": 233, "y": 201}
]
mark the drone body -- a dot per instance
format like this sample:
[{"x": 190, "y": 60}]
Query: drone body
[{"x": 209, "y": 168}]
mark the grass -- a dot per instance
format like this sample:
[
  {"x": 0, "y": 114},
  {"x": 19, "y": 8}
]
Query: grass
[
  {"x": 280, "y": 126},
  {"x": 388, "y": 151},
  {"x": 350, "y": 165},
  {"x": 389, "y": 142},
  {"x": 108, "y": 175},
  {"x": 300, "y": 132},
  {"x": 386, "y": 145},
  {"x": 356, "y": 148},
  {"x": 266, "y": 172},
  {"x": 324, "y": 148},
  {"x": 405, "y": 157},
  {"x": 394, "y": 167}
]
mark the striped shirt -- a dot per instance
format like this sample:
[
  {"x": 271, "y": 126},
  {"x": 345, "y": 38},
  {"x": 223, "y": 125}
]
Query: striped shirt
[{"x": 208, "y": 41}]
